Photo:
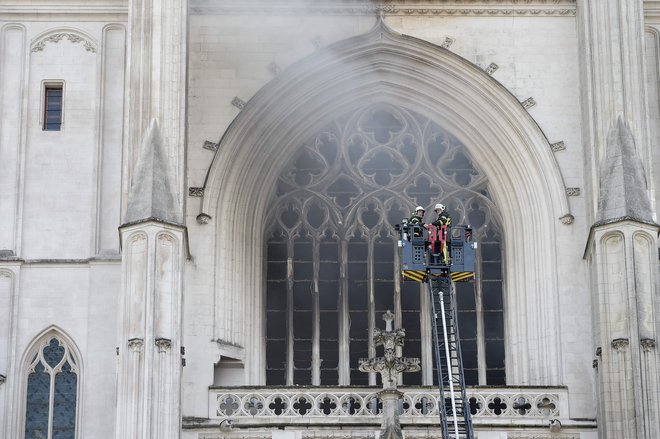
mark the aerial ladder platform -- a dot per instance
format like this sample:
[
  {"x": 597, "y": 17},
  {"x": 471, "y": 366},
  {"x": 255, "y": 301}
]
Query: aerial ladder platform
[{"x": 438, "y": 257}]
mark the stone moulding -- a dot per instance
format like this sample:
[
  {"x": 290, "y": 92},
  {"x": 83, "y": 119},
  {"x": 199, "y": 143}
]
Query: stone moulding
[{"x": 396, "y": 7}]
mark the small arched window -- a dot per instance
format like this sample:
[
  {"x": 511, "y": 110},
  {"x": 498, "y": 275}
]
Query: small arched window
[{"x": 51, "y": 390}]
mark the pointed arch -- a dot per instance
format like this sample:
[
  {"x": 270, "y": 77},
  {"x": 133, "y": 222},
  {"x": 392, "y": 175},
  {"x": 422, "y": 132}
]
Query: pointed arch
[
  {"x": 52, "y": 363},
  {"x": 383, "y": 66}
]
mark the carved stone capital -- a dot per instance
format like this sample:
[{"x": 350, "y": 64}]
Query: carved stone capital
[
  {"x": 567, "y": 219},
  {"x": 163, "y": 344},
  {"x": 203, "y": 218},
  {"x": 618, "y": 344},
  {"x": 599, "y": 351},
  {"x": 647, "y": 344},
  {"x": 136, "y": 344}
]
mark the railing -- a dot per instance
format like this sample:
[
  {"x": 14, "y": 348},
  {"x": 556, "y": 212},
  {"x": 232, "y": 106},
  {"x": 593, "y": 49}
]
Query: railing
[{"x": 351, "y": 405}]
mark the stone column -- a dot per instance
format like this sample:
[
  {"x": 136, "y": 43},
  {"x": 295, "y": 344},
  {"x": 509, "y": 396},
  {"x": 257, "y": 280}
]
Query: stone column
[
  {"x": 622, "y": 245},
  {"x": 153, "y": 234},
  {"x": 153, "y": 241}
]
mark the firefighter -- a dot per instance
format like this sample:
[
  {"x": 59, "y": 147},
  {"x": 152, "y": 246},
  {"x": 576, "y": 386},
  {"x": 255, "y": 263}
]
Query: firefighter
[
  {"x": 417, "y": 219},
  {"x": 443, "y": 219}
]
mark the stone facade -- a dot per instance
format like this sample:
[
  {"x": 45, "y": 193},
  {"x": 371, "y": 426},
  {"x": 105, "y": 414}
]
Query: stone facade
[{"x": 135, "y": 234}]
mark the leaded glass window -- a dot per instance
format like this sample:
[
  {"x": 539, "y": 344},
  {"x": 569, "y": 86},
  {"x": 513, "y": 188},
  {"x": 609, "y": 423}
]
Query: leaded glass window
[
  {"x": 331, "y": 268},
  {"x": 52, "y": 390}
]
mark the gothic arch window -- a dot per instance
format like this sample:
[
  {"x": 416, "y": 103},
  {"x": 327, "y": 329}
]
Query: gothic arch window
[
  {"x": 52, "y": 378},
  {"x": 331, "y": 268}
]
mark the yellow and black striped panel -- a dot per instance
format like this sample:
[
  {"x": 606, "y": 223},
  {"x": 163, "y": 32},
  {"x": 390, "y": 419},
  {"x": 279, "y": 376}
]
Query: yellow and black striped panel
[
  {"x": 462, "y": 276},
  {"x": 416, "y": 275}
]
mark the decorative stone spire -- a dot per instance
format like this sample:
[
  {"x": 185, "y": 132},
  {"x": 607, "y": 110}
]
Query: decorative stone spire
[
  {"x": 623, "y": 185},
  {"x": 389, "y": 366},
  {"x": 152, "y": 194}
]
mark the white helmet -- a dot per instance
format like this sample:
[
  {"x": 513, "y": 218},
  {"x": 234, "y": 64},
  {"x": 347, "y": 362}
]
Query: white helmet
[
  {"x": 439, "y": 206},
  {"x": 419, "y": 208}
]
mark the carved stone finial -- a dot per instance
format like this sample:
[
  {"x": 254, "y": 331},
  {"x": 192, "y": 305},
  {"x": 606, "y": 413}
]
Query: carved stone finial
[{"x": 389, "y": 318}]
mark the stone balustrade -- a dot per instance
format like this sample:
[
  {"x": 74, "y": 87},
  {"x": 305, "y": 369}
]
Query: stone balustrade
[{"x": 360, "y": 405}]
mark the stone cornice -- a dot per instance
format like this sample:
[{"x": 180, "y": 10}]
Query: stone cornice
[
  {"x": 107, "y": 10},
  {"x": 391, "y": 7}
]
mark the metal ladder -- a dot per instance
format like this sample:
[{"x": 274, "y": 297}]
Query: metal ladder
[{"x": 453, "y": 405}]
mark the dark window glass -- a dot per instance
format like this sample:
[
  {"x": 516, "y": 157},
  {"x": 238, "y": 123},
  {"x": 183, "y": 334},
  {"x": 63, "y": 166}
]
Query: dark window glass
[
  {"x": 53, "y": 108},
  {"x": 333, "y": 216},
  {"x": 53, "y": 368}
]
